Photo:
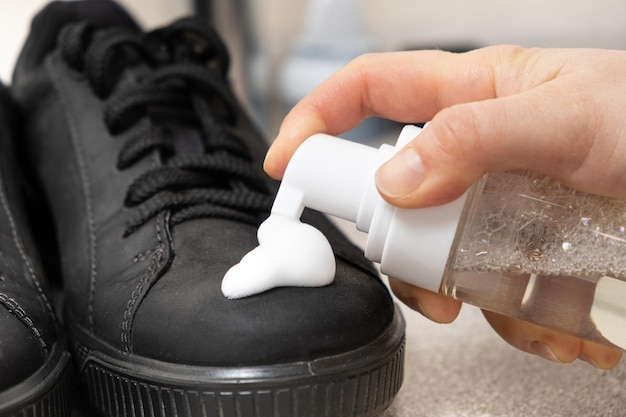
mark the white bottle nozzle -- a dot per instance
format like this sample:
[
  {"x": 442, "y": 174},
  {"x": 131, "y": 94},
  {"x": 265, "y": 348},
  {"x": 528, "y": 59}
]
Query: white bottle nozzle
[{"x": 327, "y": 174}]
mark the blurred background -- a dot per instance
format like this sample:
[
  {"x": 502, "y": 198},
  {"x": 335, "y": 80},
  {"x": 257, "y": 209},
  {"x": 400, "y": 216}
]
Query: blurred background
[
  {"x": 283, "y": 48},
  {"x": 280, "y": 31}
]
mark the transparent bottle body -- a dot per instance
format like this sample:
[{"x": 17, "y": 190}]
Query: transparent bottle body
[{"x": 530, "y": 248}]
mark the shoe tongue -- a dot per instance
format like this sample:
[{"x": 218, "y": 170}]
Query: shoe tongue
[{"x": 47, "y": 24}]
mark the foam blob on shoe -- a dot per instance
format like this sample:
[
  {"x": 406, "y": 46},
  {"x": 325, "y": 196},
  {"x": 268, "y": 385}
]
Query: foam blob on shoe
[{"x": 290, "y": 253}]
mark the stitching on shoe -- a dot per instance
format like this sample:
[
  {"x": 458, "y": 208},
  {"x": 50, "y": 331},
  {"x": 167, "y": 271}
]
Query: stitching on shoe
[
  {"x": 157, "y": 257},
  {"x": 140, "y": 257},
  {"x": 25, "y": 258},
  {"x": 14, "y": 308},
  {"x": 86, "y": 185}
]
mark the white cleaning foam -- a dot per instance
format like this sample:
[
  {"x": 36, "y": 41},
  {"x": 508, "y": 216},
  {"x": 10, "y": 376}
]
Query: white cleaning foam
[{"x": 290, "y": 253}]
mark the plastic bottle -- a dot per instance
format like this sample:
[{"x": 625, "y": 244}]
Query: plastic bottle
[{"x": 519, "y": 244}]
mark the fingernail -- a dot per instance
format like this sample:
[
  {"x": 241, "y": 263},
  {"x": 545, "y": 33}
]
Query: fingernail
[
  {"x": 267, "y": 156},
  {"x": 269, "y": 163},
  {"x": 585, "y": 358},
  {"x": 415, "y": 304},
  {"x": 542, "y": 350},
  {"x": 400, "y": 175}
]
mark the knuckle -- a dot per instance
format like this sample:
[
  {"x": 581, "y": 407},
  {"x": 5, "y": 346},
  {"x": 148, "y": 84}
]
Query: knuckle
[
  {"x": 362, "y": 62},
  {"x": 457, "y": 131}
]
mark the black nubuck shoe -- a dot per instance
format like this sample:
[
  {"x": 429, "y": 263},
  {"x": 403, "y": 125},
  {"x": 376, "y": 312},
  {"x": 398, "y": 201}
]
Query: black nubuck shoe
[
  {"x": 152, "y": 174},
  {"x": 35, "y": 365}
]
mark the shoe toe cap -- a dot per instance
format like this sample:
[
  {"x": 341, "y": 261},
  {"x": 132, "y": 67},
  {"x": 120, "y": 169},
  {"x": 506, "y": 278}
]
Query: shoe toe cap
[{"x": 186, "y": 319}]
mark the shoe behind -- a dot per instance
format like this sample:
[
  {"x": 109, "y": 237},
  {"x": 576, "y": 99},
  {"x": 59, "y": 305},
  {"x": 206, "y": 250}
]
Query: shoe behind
[{"x": 35, "y": 366}]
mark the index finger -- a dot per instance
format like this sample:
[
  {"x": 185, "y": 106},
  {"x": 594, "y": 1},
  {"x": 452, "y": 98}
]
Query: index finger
[{"x": 401, "y": 86}]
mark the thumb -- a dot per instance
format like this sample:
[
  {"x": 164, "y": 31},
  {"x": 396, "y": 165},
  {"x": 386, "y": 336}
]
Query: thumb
[{"x": 541, "y": 129}]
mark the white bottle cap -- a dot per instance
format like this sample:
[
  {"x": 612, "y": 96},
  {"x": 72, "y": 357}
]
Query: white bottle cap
[{"x": 418, "y": 241}]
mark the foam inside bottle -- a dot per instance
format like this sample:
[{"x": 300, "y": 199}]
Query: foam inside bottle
[
  {"x": 534, "y": 249},
  {"x": 533, "y": 224}
]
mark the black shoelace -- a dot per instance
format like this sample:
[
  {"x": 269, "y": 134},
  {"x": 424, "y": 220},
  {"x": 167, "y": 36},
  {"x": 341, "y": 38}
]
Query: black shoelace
[{"x": 181, "y": 74}]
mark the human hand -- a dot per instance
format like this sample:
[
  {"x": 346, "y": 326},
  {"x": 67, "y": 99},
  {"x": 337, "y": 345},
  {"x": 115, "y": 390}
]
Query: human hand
[{"x": 556, "y": 111}]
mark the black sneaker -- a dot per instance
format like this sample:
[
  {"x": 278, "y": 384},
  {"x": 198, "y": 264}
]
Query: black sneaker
[
  {"x": 35, "y": 366},
  {"x": 152, "y": 172}
]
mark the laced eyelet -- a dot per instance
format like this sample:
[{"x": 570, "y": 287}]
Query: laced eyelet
[{"x": 179, "y": 76}]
